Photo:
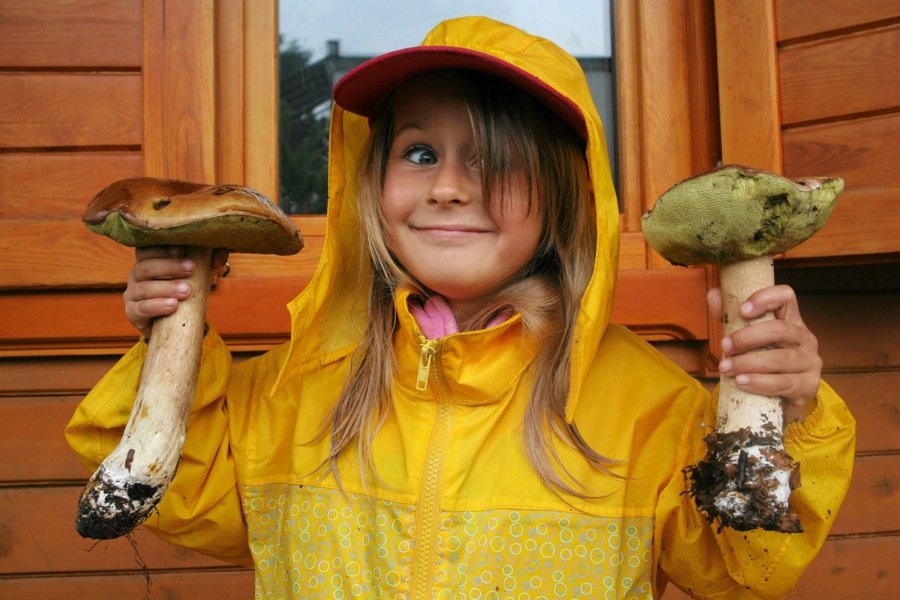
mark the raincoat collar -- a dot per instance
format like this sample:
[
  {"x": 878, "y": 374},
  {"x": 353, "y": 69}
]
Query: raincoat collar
[{"x": 329, "y": 316}]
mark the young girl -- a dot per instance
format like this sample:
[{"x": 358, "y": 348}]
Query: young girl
[{"x": 454, "y": 415}]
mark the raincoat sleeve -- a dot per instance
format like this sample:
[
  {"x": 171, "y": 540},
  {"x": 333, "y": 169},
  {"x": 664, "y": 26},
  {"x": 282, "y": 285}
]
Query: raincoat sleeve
[
  {"x": 202, "y": 507},
  {"x": 708, "y": 563}
]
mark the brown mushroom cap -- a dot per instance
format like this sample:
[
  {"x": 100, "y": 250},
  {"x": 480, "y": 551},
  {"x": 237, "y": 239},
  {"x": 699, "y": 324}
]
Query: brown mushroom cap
[
  {"x": 734, "y": 213},
  {"x": 147, "y": 211}
]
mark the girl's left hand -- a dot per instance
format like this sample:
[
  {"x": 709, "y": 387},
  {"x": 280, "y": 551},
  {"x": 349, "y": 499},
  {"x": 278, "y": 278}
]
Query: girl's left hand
[{"x": 778, "y": 357}]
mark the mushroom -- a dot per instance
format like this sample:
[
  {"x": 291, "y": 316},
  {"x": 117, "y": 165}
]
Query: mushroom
[
  {"x": 738, "y": 218},
  {"x": 127, "y": 486}
]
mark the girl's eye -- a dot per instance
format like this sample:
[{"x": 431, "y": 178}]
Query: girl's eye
[{"x": 420, "y": 155}]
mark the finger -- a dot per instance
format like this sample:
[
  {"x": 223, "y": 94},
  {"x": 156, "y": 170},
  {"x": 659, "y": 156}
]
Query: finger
[
  {"x": 796, "y": 389},
  {"x": 162, "y": 268},
  {"x": 158, "y": 252},
  {"x": 780, "y": 300},
  {"x": 142, "y": 314},
  {"x": 788, "y": 361},
  {"x": 767, "y": 334}
]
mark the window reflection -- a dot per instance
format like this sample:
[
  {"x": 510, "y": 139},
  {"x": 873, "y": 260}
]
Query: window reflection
[{"x": 309, "y": 65}]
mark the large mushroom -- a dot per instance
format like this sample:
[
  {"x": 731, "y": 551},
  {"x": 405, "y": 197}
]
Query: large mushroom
[
  {"x": 738, "y": 218},
  {"x": 138, "y": 212}
]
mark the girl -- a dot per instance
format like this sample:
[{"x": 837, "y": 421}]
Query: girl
[{"x": 454, "y": 414}]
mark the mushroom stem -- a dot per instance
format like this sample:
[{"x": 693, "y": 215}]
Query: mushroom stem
[
  {"x": 130, "y": 482},
  {"x": 746, "y": 477},
  {"x": 737, "y": 408}
]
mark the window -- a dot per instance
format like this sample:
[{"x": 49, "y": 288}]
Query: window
[{"x": 320, "y": 40}]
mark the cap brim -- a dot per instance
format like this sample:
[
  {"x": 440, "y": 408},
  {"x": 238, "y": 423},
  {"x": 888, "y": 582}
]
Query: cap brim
[{"x": 363, "y": 89}]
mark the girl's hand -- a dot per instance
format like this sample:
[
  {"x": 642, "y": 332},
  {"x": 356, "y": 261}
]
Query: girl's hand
[
  {"x": 778, "y": 357},
  {"x": 156, "y": 283}
]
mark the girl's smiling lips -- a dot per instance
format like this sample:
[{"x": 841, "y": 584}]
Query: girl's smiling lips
[{"x": 450, "y": 231}]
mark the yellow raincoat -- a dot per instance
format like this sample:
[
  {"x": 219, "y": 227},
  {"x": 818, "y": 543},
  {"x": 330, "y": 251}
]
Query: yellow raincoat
[{"x": 457, "y": 510}]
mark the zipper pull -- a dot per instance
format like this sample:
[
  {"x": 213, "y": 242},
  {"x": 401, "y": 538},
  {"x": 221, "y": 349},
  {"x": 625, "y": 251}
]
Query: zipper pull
[{"x": 429, "y": 349}]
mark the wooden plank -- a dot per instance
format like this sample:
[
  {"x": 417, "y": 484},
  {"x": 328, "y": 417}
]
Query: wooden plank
[
  {"x": 37, "y": 534},
  {"x": 62, "y": 375},
  {"x": 55, "y": 185},
  {"x": 847, "y": 75},
  {"x": 665, "y": 97},
  {"x": 856, "y": 332},
  {"x": 863, "y": 222},
  {"x": 32, "y": 249},
  {"x": 31, "y": 440},
  {"x": 874, "y": 400},
  {"x": 47, "y": 110},
  {"x": 70, "y": 33},
  {"x": 179, "y": 116},
  {"x": 260, "y": 89},
  {"x": 871, "y": 503},
  {"x": 846, "y": 568},
  {"x": 229, "y": 86},
  {"x": 663, "y": 304},
  {"x": 632, "y": 251},
  {"x": 208, "y": 584},
  {"x": 804, "y": 18},
  {"x": 249, "y": 311},
  {"x": 748, "y": 83},
  {"x": 853, "y": 569},
  {"x": 856, "y": 150}
]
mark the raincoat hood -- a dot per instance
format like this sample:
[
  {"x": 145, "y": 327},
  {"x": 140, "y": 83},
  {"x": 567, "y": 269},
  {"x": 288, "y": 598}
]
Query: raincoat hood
[{"x": 329, "y": 316}]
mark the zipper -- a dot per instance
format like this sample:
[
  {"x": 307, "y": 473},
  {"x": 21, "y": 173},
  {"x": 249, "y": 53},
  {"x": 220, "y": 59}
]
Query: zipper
[
  {"x": 426, "y": 354},
  {"x": 428, "y": 512}
]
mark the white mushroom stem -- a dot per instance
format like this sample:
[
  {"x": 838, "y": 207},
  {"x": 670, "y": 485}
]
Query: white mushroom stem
[
  {"x": 130, "y": 482},
  {"x": 746, "y": 478},
  {"x": 737, "y": 408}
]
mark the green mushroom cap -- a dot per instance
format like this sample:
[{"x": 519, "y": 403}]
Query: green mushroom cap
[{"x": 734, "y": 213}]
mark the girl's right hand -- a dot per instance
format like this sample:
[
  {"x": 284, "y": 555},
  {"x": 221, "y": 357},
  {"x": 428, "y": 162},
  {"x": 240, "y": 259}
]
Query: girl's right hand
[{"x": 156, "y": 283}]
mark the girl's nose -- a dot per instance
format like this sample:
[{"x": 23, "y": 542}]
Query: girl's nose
[{"x": 454, "y": 184}]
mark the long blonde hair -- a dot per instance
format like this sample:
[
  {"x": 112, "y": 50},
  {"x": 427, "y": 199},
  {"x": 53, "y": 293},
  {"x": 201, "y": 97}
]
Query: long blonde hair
[{"x": 514, "y": 134}]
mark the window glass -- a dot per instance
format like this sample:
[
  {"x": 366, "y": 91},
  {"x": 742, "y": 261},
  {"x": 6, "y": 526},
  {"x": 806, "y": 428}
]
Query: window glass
[{"x": 320, "y": 40}]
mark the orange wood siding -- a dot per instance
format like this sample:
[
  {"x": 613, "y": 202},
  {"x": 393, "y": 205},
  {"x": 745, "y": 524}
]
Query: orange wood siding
[{"x": 96, "y": 90}]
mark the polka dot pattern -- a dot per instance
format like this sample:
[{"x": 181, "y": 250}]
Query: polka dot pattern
[{"x": 311, "y": 542}]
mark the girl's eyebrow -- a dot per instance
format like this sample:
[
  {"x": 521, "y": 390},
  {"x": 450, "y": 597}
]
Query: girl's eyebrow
[{"x": 404, "y": 126}]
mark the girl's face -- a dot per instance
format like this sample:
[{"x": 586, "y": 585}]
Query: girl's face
[{"x": 438, "y": 225}]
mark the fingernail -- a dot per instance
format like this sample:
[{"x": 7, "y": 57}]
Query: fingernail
[
  {"x": 725, "y": 366},
  {"x": 727, "y": 346},
  {"x": 187, "y": 265},
  {"x": 742, "y": 379},
  {"x": 182, "y": 288},
  {"x": 746, "y": 308},
  {"x": 170, "y": 302},
  {"x": 174, "y": 251}
]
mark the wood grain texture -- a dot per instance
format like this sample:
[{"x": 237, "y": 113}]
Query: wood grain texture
[
  {"x": 748, "y": 83},
  {"x": 862, "y": 223},
  {"x": 70, "y": 33},
  {"x": 864, "y": 152},
  {"x": 34, "y": 247},
  {"x": 49, "y": 110},
  {"x": 58, "y": 185},
  {"x": 805, "y": 18},
  {"x": 37, "y": 532},
  {"x": 179, "y": 117},
  {"x": 847, "y": 568},
  {"x": 840, "y": 76}
]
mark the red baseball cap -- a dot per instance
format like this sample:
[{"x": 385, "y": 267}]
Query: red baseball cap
[{"x": 364, "y": 88}]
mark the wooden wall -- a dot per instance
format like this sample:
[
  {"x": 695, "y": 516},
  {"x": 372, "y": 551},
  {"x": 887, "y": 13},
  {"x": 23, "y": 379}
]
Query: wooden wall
[
  {"x": 77, "y": 111},
  {"x": 95, "y": 90}
]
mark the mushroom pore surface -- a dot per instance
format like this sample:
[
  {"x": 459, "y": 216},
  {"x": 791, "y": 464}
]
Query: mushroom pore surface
[{"x": 734, "y": 212}]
